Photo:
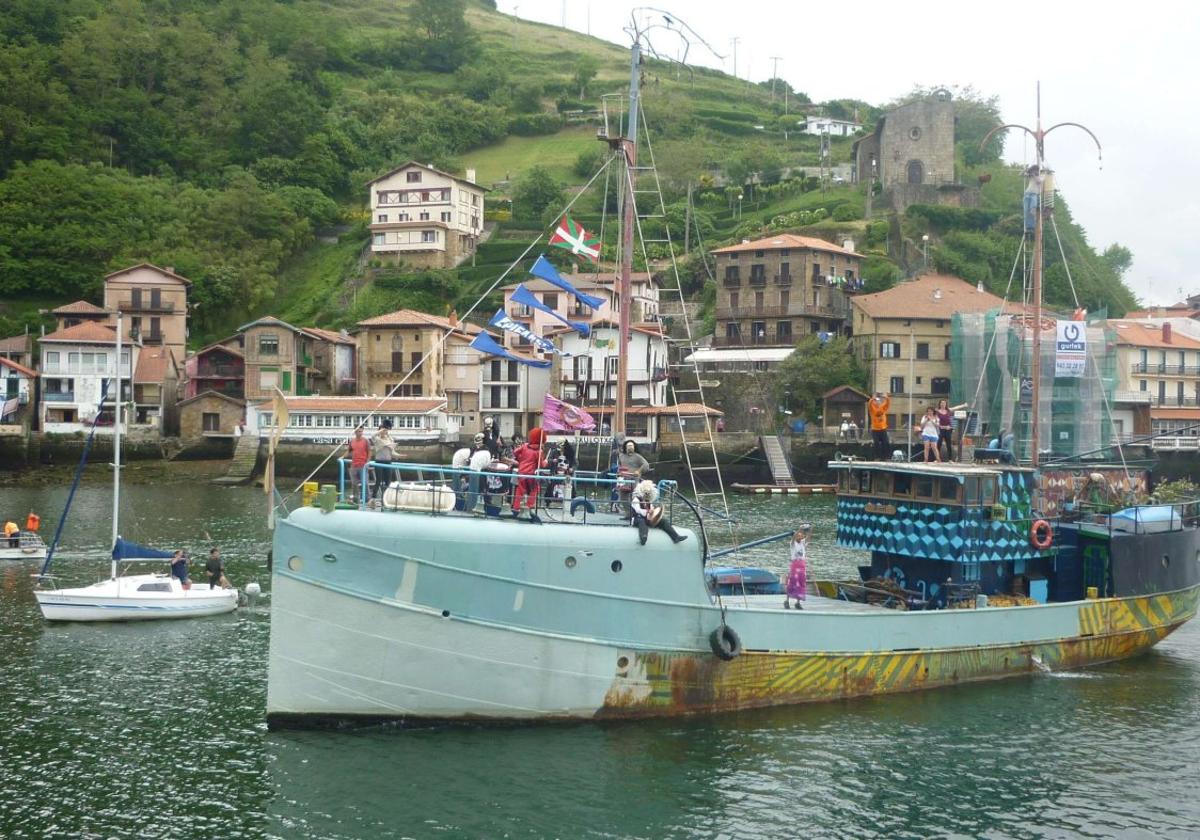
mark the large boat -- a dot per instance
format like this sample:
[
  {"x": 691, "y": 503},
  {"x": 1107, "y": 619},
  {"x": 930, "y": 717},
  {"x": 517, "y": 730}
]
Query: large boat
[{"x": 420, "y": 612}]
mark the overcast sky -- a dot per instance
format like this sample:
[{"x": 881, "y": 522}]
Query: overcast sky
[{"x": 1128, "y": 73}]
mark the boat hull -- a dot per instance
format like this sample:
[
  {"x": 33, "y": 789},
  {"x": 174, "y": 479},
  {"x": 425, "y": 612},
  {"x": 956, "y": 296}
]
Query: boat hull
[
  {"x": 121, "y": 600},
  {"x": 439, "y": 640}
]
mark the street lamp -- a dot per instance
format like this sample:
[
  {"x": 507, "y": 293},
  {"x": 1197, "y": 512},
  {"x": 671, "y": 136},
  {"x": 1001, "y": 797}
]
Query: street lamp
[
  {"x": 739, "y": 215},
  {"x": 925, "y": 248}
]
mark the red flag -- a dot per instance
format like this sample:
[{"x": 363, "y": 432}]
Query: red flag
[{"x": 558, "y": 416}]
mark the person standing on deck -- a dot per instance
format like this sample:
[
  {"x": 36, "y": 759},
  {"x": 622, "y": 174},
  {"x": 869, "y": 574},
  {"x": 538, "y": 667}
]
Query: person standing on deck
[
  {"x": 383, "y": 451},
  {"x": 945, "y": 418},
  {"x": 928, "y": 428},
  {"x": 529, "y": 460},
  {"x": 13, "y": 533},
  {"x": 877, "y": 408},
  {"x": 359, "y": 451},
  {"x": 179, "y": 568},
  {"x": 214, "y": 567},
  {"x": 477, "y": 463},
  {"x": 797, "y": 580}
]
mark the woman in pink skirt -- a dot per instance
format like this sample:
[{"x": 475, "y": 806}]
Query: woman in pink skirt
[{"x": 797, "y": 580}]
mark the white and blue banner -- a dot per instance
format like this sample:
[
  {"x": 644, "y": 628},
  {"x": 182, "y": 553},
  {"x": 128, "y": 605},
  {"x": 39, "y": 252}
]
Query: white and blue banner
[
  {"x": 484, "y": 343},
  {"x": 543, "y": 269},
  {"x": 1070, "y": 349},
  {"x": 525, "y": 297},
  {"x": 502, "y": 321}
]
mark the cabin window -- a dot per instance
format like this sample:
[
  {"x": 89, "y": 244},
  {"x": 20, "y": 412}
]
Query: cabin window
[
  {"x": 843, "y": 481},
  {"x": 901, "y": 484},
  {"x": 989, "y": 491},
  {"x": 864, "y": 481},
  {"x": 971, "y": 490},
  {"x": 948, "y": 490},
  {"x": 883, "y": 484},
  {"x": 924, "y": 484},
  {"x": 155, "y": 587}
]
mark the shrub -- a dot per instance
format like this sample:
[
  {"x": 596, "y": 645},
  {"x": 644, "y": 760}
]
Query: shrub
[
  {"x": 845, "y": 213},
  {"x": 529, "y": 125}
]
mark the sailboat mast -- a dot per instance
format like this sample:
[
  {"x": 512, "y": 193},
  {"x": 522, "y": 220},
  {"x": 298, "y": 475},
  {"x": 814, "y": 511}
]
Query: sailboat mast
[
  {"x": 624, "y": 281},
  {"x": 1035, "y": 369},
  {"x": 117, "y": 450}
]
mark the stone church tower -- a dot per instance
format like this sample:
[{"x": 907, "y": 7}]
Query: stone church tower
[{"x": 910, "y": 155}]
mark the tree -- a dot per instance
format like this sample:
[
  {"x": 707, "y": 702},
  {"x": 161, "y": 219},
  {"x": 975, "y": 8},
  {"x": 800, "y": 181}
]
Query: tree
[
  {"x": 447, "y": 39},
  {"x": 585, "y": 70},
  {"x": 1119, "y": 259},
  {"x": 813, "y": 369},
  {"x": 534, "y": 192}
]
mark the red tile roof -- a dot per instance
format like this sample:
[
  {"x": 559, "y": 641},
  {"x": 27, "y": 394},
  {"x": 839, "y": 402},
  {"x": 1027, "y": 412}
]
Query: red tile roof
[
  {"x": 152, "y": 365},
  {"x": 1175, "y": 413},
  {"x": 365, "y": 405},
  {"x": 89, "y": 332},
  {"x": 413, "y": 318},
  {"x": 652, "y": 329},
  {"x": 211, "y": 393},
  {"x": 15, "y": 344},
  {"x": 1146, "y": 335},
  {"x": 79, "y": 307},
  {"x": 785, "y": 240},
  {"x": 327, "y": 335},
  {"x": 932, "y": 296},
  {"x": 21, "y": 369},
  {"x": 427, "y": 168}
]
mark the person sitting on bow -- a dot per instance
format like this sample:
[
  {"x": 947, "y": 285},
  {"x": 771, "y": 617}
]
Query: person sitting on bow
[{"x": 646, "y": 514}]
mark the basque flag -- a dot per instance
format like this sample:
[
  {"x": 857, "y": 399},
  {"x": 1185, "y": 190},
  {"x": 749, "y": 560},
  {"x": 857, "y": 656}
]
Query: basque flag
[
  {"x": 543, "y": 269},
  {"x": 527, "y": 298},
  {"x": 571, "y": 236}
]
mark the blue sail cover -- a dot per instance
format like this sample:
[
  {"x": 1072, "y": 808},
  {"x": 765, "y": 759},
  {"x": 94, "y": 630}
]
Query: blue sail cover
[{"x": 125, "y": 550}]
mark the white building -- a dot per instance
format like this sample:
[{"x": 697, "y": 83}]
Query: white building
[
  {"x": 511, "y": 392},
  {"x": 75, "y": 363},
  {"x": 332, "y": 420},
  {"x": 830, "y": 126},
  {"x": 421, "y": 216},
  {"x": 16, "y": 390}
]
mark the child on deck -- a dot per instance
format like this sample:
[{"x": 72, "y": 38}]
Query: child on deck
[{"x": 797, "y": 580}]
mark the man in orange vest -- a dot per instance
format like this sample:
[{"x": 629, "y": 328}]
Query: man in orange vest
[
  {"x": 12, "y": 533},
  {"x": 877, "y": 408},
  {"x": 33, "y": 522}
]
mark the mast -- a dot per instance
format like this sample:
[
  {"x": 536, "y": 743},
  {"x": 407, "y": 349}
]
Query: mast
[
  {"x": 624, "y": 282},
  {"x": 117, "y": 451},
  {"x": 1036, "y": 183}
]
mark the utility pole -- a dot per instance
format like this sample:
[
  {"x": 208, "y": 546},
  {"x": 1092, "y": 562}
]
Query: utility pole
[
  {"x": 775, "y": 73},
  {"x": 734, "y": 41}
]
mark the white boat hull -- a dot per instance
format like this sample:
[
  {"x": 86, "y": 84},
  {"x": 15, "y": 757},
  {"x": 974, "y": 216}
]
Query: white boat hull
[
  {"x": 134, "y": 598},
  {"x": 30, "y": 547}
]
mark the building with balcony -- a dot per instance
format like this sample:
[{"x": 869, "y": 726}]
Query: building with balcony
[
  {"x": 407, "y": 353},
  {"x": 153, "y": 302},
  {"x": 332, "y": 420},
  {"x": 512, "y": 393},
  {"x": 156, "y": 389},
  {"x": 219, "y": 368},
  {"x": 335, "y": 362},
  {"x": 773, "y": 291},
  {"x": 588, "y": 377},
  {"x": 278, "y": 355},
  {"x": 423, "y": 217},
  {"x": 18, "y": 348},
  {"x": 902, "y": 336},
  {"x": 1158, "y": 376},
  {"x": 75, "y": 364},
  {"x": 644, "y": 304},
  {"x": 17, "y": 393}
]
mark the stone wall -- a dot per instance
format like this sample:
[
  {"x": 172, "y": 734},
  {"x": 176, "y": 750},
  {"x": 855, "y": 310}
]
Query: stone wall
[
  {"x": 920, "y": 133},
  {"x": 191, "y": 416}
]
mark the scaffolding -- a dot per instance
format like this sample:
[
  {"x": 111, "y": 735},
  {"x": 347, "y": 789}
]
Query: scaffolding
[{"x": 991, "y": 362}]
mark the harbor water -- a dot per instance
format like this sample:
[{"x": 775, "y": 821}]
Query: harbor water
[{"x": 157, "y": 729}]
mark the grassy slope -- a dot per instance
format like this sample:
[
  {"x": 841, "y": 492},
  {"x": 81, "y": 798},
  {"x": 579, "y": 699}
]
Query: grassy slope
[{"x": 509, "y": 159}]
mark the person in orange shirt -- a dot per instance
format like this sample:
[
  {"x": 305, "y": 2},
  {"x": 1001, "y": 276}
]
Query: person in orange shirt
[
  {"x": 12, "y": 532},
  {"x": 877, "y": 408}
]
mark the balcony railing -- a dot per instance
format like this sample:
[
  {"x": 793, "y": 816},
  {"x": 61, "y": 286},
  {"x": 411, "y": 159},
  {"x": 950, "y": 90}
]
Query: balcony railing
[
  {"x": 783, "y": 279},
  {"x": 145, "y": 306},
  {"x": 1165, "y": 369},
  {"x": 758, "y": 279},
  {"x": 767, "y": 340},
  {"x": 732, "y": 282},
  {"x": 60, "y": 396},
  {"x": 1152, "y": 399},
  {"x": 152, "y": 338},
  {"x": 220, "y": 372}
]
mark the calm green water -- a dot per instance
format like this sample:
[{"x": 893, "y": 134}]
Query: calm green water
[{"x": 156, "y": 730}]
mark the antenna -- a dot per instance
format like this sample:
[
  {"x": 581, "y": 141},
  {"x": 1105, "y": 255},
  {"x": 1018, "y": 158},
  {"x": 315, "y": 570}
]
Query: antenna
[{"x": 774, "y": 73}]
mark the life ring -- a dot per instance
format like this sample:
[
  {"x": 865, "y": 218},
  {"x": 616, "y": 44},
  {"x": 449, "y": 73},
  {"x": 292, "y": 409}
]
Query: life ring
[
  {"x": 725, "y": 643},
  {"x": 1041, "y": 535}
]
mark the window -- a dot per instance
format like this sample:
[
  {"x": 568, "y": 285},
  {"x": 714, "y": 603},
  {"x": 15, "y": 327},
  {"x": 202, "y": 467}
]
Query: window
[
  {"x": 404, "y": 217},
  {"x": 413, "y": 177},
  {"x": 610, "y": 366},
  {"x": 157, "y": 586},
  {"x": 268, "y": 379},
  {"x": 922, "y": 350},
  {"x": 583, "y": 367},
  {"x": 1162, "y": 392},
  {"x": 429, "y": 236},
  {"x": 785, "y": 298},
  {"x": 52, "y": 360},
  {"x": 136, "y": 294},
  {"x": 1142, "y": 385},
  {"x": 758, "y": 254},
  {"x": 382, "y": 217},
  {"x": 896, "y": 385},
  {"x": 924, "y": 485},
  {"x": 939, "y": 385},
  {"x": 409, "y": 391},
  {"x": 785, "y": 252},
  {"x": 550, "y": 299},
  {"x": 268, "y": 344},
  {"x": 889, "y": 350},
  {"x": 1179, "y": 392},
  {"x": 731, "y": 274},
  {"x": 783, "y": 331},
  {"x": 758, "y": 329},
  {"x": 445, "y": 217},
  {"x": 415, "y": 359},
  {"x": 210, "y": 421},
  {"x": 424, "y": 217},
  {"x": 901, "y": 484},
  {"x": 581, "y": 309},
  {"x": 758, "y": 301},
  {"x": 155, "y": 327},
  {"x": 733, "y": 300},
  {"x": 948, "y": 490},
  {"x": 864, "y": 481},
  {"x": 731, "y": 330}
]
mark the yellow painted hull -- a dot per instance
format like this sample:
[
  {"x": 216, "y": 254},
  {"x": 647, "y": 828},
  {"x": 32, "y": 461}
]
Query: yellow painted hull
[{"x": 664, "y": 684}]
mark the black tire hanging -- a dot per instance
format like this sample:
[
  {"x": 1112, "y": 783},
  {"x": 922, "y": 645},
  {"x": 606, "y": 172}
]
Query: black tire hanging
[{"x": 725, "y": 643}]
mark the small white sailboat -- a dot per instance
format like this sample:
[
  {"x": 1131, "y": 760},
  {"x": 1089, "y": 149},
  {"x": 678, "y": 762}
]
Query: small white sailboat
[{"x": 130, "y": 597}]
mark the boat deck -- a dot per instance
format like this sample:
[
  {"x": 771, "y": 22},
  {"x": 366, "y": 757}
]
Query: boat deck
[{"x": 814, "y": 603}]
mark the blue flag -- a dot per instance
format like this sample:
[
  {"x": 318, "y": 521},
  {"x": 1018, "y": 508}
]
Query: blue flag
[
  {"x": 524, "y": 296},
  {"x": 484, "y": 343},
  {"x": 543, "y": 269}
]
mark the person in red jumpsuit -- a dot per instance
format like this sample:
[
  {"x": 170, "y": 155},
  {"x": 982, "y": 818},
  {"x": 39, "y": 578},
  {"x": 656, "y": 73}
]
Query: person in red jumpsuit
[{"x": 529, "y": 460}]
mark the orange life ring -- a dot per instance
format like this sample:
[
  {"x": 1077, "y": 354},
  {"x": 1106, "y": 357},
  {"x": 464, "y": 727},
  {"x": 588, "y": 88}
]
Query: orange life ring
[{"x": 1041, "y": 535}]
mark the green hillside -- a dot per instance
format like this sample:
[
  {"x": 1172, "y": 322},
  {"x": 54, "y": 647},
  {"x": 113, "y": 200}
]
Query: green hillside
[{"x": 218, "y": 136}]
